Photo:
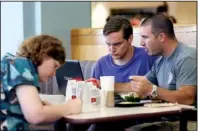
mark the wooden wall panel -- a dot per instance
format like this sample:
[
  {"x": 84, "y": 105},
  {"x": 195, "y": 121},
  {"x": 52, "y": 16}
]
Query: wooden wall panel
[
  {"x": 88, "y": 52},
  {"x": 89, "y": 44}
]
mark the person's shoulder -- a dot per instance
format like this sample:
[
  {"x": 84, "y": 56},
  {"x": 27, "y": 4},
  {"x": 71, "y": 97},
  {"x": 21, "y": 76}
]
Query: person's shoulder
[
  {"x": 18, "y": 63},
  {"x": 104, "y": 59},
  {"x": 141, "y": 51},
  {"x": 159, "y": 60},
  {"x": 144, "y": 54},
  {"x": 184, "y": 54},
  {"x": 186, "y": 51},
  {"x": 17, "y": 71},
  {"x": 11, "y": 57},
  {"x": 102, "y": 62},
  {"x": 190, "y": 51}
]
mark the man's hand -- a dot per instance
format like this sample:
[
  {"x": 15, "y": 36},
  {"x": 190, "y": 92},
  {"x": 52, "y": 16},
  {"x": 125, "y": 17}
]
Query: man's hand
[
  {"x": 94, "y": 81},
  {"x": 141, "y": 85}
]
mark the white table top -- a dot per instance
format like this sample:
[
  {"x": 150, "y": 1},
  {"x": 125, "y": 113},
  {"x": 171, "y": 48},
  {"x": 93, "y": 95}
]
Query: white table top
[{"x": 98, "y": 113}]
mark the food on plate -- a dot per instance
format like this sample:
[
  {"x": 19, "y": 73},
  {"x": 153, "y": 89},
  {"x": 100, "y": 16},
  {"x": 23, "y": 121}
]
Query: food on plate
[{"x": 131, "y": 97}]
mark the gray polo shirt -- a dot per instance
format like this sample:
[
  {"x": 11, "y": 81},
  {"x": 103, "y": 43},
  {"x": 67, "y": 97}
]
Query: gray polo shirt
[{"x": 177, "y": 70}]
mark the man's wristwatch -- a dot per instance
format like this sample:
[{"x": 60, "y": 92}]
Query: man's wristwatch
[{"x": 153, "y": 93}]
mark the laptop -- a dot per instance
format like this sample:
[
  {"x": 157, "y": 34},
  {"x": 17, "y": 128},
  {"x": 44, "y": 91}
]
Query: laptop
[{"x": 70, "y": 70}]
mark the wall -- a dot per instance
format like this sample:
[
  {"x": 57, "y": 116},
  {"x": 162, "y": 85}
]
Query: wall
[
  {"x": 11, "y": 26},
  {"x": 99, "y": 19},
  {"x": 29, "y": 19},
  {"x": 58, "y": 18},
  {"x": 184, "y": 12},
  {"x": 88, "y": 41},
  {"x": 20, "y": 20}
]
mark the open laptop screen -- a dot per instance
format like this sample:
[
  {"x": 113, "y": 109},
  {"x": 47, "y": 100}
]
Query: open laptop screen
[{"x": 70, "y": 70}]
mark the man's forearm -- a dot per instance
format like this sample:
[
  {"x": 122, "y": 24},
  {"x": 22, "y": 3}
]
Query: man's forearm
[
  {"x": 177, "y": 96},
  {"x": 123, "y": 87}
]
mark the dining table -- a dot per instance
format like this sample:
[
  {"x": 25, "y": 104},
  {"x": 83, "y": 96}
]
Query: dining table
[{"x": 97, "y": 114}]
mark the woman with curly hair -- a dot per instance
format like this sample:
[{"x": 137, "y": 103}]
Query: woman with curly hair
[{"x": 37, "y": 60}]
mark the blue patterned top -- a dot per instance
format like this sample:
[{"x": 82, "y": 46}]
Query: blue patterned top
[{"x": 15, "y": 71}]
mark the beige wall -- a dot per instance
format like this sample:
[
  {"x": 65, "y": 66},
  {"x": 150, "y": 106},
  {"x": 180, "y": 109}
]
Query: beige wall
[
  {"x": 184, "y": 12},
  {"x": 89, "y": 44}
]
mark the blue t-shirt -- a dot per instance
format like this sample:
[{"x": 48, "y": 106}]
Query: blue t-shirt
[
  {"x": 15, "y": 71},
  {"x": 139, "y": 64}
]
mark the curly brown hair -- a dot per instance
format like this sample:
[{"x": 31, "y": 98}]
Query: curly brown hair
[{"x": 35, "y": 47}]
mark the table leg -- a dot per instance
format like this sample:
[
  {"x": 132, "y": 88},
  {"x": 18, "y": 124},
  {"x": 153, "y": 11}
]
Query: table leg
[{"x": 183, "y": 121}]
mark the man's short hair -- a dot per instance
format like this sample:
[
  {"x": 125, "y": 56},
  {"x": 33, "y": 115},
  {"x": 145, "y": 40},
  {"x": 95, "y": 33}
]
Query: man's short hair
[
  {"x": 160, "y": 24},
  {"x": 116, "y": 24}
]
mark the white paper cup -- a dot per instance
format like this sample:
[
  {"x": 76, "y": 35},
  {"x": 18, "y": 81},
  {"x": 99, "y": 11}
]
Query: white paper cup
[{"x": 107, "y": 83}]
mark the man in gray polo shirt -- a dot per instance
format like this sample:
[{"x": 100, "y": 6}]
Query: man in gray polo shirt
[{"x": 173, "y": 75}]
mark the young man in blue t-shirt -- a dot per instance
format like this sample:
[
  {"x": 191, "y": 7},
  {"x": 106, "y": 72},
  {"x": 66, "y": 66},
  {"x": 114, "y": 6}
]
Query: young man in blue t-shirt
[{"x": 123, "y": 60}]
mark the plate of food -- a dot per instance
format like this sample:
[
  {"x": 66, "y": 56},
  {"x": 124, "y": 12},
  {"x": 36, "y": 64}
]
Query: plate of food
[{"x": 129, "y": 100}]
